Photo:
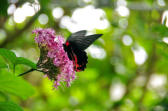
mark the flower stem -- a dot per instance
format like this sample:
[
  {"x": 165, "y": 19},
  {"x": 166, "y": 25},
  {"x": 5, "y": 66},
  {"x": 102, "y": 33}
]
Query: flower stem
[{"x": 31, "y": 70}]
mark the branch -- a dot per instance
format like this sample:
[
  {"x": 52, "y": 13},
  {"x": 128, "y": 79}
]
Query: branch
[
  {"x": 12, "y": 37},
  {"x": 150, "y": 67},
  {"x": 133, "y": 5},
  {"x": 3, "y": 20}
]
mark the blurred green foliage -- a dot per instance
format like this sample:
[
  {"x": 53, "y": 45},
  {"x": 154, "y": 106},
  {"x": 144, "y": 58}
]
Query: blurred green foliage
[{"x": 132, "y": 76}]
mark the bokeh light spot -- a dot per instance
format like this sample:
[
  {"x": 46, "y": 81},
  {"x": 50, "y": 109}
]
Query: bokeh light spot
[
  {"x": 140, "y": 55},
  {"x": 28, "y": 9},
  {"x": 165, "y": 18},
  {"x": 11, "y": 9},
  {"x": 157, "y": 80},
  {"x": 127, "y": 40},
  {"x": 165, "y": 39},
  {"x": 123, "y": 11},
  {"x": 43, "y": 19},
  {"x": 81, "y": 19},
  {"x": 161, "y": 3},
  {"x": 57, "y": 12},
  {"x": 19, "y": 15},
  {"x": 97, "y": 52},
  {"x": 117, "y": 91}
]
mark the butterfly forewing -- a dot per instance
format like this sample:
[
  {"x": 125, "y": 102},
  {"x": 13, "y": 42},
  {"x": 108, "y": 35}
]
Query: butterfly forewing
[
  {"x": 87, "y": 41},
  {"x": 81, "y": 41},
  {"x": 77, "y": 35}
]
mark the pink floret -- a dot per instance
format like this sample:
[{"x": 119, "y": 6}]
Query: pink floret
[{"x": 54, "y": 45}]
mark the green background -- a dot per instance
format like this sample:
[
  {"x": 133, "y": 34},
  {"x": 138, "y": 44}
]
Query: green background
[{"x": 128, "y": 74}]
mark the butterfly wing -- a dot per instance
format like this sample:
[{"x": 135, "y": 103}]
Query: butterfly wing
[
  {"x": 81, "y": 41},
  {"x": 78, "y": 57},
  {"x": 77, "y": 35},
  {"x": 75, "y": 46},
  {"x": 80, "y": 60},
  {"x": 87, "y": 41}
]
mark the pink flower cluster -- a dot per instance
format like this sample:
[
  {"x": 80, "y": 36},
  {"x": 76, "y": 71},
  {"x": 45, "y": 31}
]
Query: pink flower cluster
[{"x": 54, "y": 44}]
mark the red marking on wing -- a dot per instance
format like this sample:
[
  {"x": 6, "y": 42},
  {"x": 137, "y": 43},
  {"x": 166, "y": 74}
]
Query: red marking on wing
[
  {"x": 76, "y": 64},
  {"x": 67, "y": 43}
]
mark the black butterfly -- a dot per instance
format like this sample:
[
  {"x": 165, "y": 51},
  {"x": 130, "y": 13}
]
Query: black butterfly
[{"x": 75, "y": 47}]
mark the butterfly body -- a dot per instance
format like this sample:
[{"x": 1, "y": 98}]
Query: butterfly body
[{"x": 75, "y": 47}]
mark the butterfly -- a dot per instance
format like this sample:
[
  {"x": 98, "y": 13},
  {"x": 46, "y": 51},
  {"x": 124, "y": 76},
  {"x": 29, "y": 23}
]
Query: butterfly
[{"x": 75, "y": 47}]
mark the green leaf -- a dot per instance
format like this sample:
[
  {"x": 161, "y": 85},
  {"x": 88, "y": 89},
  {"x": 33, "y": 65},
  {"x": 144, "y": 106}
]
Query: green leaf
[
  {"x": 15, "y": 85},
  {"x": 11, "y": 57},
  {"x": 22, "y": 60},
  {"x": 9, "y": 106},
  {"x": 3, "y": 65},
  {"x": 4, "y": 96},
  {"x": 8, "y": 55}
]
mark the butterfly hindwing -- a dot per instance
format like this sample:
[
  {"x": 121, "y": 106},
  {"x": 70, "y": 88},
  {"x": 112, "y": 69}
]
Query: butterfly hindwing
[{"x": 80, "y": 57}]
